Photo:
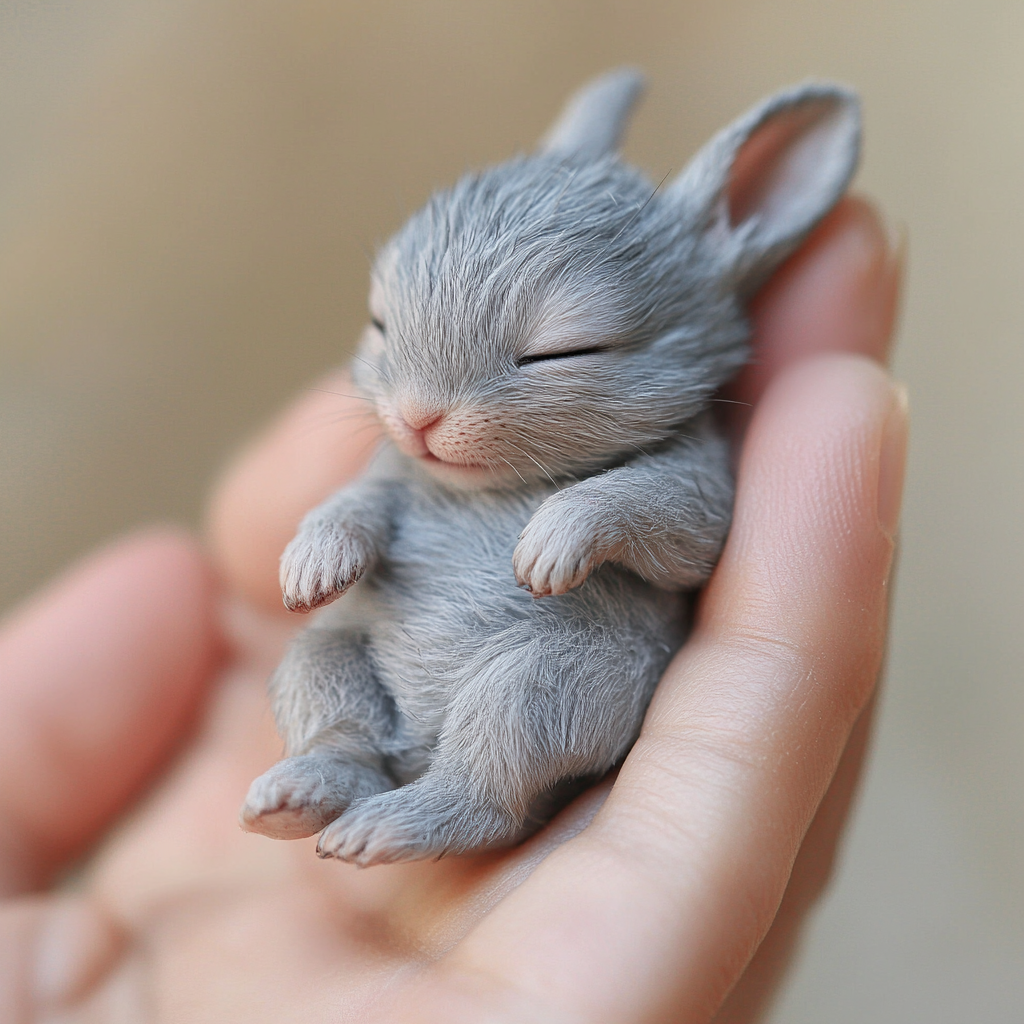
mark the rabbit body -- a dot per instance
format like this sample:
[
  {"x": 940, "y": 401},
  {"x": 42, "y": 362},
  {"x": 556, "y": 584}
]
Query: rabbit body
[
  {"x": 546, "y": 339},
  {"x": 468, "y": 687}
]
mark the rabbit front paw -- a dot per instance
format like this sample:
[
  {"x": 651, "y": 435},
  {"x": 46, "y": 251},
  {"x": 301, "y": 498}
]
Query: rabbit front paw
[
  {"x": 558, "y": 549},
  {"x": 320, "y": 564}
]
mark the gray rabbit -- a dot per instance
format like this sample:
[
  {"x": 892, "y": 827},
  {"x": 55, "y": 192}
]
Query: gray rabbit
[{"x": 547, "y": 336}]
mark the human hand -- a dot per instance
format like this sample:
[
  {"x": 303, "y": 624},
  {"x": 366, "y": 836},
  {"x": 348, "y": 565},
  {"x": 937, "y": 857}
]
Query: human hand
[{"x": 658, "y": 897}]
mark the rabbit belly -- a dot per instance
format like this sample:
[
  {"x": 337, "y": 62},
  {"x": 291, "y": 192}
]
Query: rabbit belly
[
  {"x": 444, "y": 602},
  {"x": 439, "y": 708}
]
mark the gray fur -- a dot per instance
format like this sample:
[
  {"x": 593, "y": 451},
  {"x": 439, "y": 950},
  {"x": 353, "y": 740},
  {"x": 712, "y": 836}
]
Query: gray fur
[
  {"x": 594, "y": 119},
  {"x": 550, "y": 334}
]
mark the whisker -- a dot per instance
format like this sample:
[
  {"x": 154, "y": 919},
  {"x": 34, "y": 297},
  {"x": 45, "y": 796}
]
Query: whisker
[
  {"x": 338, "y": 420},
  {"x": 513, "y": 468},
  {"x": 554, "y": 483},
  {"x": 323, "y": 424},
  {"x": 340, "y": 394},
  {"x": 629, "y": 223},
  {"x": 558, "y": 199},
  {"x": 381, "y": 375},
  {"x": 338, "y": 417}
]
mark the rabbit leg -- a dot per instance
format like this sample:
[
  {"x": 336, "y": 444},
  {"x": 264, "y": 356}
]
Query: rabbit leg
[
  {"x": 337, "y": 722},
  {"x": 551, "y": 708}
]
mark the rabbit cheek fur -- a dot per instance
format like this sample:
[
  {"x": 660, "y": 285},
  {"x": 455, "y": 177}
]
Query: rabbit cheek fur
[{"x": 547, "y": 338}]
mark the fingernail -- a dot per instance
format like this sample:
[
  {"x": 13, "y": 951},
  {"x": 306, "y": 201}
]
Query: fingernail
[
  {"x": 898, "y": 238},
  {"x": 881, "y": 306},
  {"x": 75, "y": 945},
  {"x": 892, "y": 460},
  {"x": 897, "y": 235}
]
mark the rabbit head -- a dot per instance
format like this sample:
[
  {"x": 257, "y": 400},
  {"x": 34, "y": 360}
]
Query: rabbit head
[{"x": 559, "y": 313}]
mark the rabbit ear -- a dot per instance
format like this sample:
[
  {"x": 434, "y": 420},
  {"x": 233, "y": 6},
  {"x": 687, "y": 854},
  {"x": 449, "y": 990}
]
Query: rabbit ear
[
  {"x": 760, "y": 185},
  {"x": 593, "y": 121}
]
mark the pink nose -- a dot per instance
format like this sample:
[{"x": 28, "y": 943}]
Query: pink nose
[
  {"x": 419, "y": 419},
  {"x": 408, "y": 425}
]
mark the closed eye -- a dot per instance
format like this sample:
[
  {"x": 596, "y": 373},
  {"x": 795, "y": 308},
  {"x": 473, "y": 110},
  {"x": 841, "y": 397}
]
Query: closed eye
[
  {"x": 378, "y": 324},
  {"x": 548, "y": 356}
]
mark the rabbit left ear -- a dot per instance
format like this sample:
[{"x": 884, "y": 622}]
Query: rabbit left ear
[
  {"x": 593, "y": 121},
  {"x": 759, "y": 186}
]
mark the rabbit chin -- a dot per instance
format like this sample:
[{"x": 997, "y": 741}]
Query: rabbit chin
[{"x": 470, "y": 476}]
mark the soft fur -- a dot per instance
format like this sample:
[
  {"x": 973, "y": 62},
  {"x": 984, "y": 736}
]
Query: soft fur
[{"x": 547, "y": 336}]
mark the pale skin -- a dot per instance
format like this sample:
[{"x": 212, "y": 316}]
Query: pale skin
[{"x": 675, "y": 893}]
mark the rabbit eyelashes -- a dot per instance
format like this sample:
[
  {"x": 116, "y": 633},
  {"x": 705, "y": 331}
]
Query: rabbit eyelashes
[{"x": 545, "y": 338}]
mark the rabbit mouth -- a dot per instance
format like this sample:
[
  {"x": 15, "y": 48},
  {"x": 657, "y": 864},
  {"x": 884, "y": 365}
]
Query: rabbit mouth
[{"x": 430, "y": 458}]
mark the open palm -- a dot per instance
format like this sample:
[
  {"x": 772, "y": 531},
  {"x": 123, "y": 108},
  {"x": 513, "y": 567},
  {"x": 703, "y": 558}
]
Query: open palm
[{"x": 673, "y": 894}]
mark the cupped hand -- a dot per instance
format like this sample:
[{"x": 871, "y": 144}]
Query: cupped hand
[{"x": 674, "y": 893}]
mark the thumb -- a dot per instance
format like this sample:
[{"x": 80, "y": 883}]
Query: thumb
[
  {"x": 100, "y": 676},
  {"x": 53, "y": 954}
]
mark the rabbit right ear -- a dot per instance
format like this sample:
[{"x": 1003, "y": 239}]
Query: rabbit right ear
[
  {"x": 758, "y": 187},
  {"x": 593, "y": 121}
]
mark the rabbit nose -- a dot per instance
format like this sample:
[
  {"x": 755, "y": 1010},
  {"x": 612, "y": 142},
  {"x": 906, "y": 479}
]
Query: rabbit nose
[{"x": 419, "y": 418}]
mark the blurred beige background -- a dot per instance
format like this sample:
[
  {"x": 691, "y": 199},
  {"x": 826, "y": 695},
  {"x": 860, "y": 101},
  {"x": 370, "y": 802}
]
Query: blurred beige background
[{"x": 189, "y": 194}]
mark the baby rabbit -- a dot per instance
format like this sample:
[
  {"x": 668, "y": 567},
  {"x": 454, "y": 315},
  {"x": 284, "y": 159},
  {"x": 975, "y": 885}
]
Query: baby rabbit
[{"x": 546, "y": 338}]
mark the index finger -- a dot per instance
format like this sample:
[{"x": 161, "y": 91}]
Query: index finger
[{"x": 837, "y": 294}]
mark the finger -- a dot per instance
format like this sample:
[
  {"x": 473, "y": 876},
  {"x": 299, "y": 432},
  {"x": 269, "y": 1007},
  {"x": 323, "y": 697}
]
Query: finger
[
  {"x": 53, "y": 952},
  {"x": 812, "y": 871},
  {"x": 100, "y": 676},
  {"x": 656, "y": 909},
  {"x": 839, "y": 293},
  {"x": 318, "y": 444}
]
